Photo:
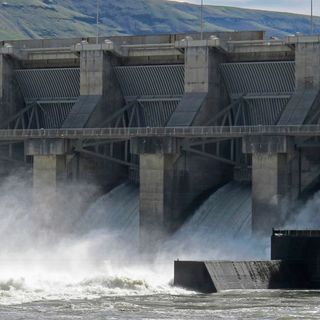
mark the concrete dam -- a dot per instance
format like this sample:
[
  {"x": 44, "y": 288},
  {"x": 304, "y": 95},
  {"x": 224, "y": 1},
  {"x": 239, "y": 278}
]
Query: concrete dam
[{"x": 167, "y": 126}]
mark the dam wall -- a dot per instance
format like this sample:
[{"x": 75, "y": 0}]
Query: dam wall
[{"x": 225, "y": 80}]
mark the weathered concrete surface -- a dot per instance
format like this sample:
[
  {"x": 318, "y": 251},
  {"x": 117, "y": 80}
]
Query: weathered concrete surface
[
  {"x": 49, "y": 163},
  {"x": 170, "y": 182},
  {"x": 270, "y": 190},
  {"x": 267, "y": 144},
  {"x": 156, "y": 179},
  {"x": 10, "y": 97},
  {"x": 216, "y": 276},
  {"x": 46, "y": 171},
  {"x": 307, "y": 65},
  {"x": 100, "y": 98},
  {"x": 46, "y": 147},
  {"x": 307, "y": 79},
  {"x": 99, "y": 90},
  {"x": 275, "y": 179},
  {"x": 205, "y": 94}
]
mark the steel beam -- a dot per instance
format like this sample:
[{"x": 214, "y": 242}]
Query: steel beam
[
  {"x": 210, "y": 155},
  {"x": 105, "y": 157}
]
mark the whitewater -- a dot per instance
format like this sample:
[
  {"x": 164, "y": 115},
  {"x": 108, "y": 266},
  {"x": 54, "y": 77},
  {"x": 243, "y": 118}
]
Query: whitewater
[{"x": 71, "y": 260}]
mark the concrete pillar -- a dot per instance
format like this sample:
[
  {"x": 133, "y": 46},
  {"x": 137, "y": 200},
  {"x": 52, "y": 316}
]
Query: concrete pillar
[
  {"x": 198, "y": 68},
  {"x": 270, "y": 188},
  {"x": 274, "y": 180},
  {"x": 307, "y": 63},
  {"x": 157, "y": 188},
  {"x": 97, "y": 79},
  {"x": 46, "y": 171},
  {"x": 202, "y": 75},
  {"x": 100, "y": 97},
  {"x": 49, "y": 162},
  {"x": 49, "y": 166},
  {"x": 92, "y": 72},
  {"x": 156, "y": 174},
  {"x": 10, "y": 97}
]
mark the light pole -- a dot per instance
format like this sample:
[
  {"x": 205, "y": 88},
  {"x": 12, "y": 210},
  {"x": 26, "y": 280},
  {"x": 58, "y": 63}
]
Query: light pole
[
  {"x": 98, "y": 13},
  {"x": 311, "y": 20},
  {"x": 201, "y": 20}
]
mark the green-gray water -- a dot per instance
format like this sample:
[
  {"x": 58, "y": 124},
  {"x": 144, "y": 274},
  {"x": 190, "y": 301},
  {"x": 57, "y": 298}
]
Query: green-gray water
[{"x": 229, "y": 305}]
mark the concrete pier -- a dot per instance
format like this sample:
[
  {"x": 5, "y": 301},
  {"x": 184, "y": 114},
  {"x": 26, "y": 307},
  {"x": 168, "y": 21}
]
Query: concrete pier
[
  {"x": 273, "y": 183},
  {"x": 10, "y": 98},
  {"x": 100, "y": 93},
  {"x": 205, "y": 94},
  {"x": 49, "y": 163},
  {"x": 157, "y": 173}
]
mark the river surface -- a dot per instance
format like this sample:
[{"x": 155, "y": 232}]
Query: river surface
[{"x": 228, "y": 305}]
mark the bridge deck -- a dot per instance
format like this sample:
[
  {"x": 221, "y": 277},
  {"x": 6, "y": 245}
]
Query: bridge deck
[{"x": 177, "y": 132}]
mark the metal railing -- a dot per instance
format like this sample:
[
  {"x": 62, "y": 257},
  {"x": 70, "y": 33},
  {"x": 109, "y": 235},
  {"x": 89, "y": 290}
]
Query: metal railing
[{"x": 178, "y": 132}]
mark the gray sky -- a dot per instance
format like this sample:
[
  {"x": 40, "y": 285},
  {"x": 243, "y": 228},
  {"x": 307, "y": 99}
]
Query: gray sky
[{"x": 298, "y": 6}]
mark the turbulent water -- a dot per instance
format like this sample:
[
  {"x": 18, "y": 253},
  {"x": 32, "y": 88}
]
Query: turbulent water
[{"x": 57, "y": 263}]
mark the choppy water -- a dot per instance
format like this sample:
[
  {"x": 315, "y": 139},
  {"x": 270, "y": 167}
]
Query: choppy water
[{"x": 229, "y": 305}]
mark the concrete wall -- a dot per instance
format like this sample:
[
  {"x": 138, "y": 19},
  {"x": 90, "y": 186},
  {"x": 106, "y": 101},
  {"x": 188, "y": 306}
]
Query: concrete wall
[
  {"x": 275, "y": 180},
  {"x": 10, "y": 97},
  {"x": 270, "y": 181},
  {"x": 202, "y": 75},
  {"x": 217, "y": 276},
  {"x": 156, "y": 175},
  {"x": 105, "y": 84},
  {"x": 97, "y": 79},
  {"x": 140, "y": 39},
  {"x": 307, "y": 65},
  {"x": 46, "y": 171},
  {"x": 171, "y": 183}
]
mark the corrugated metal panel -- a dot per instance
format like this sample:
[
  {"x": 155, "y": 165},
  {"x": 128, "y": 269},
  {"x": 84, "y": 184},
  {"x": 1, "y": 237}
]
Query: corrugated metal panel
[
  {"x": 50, "y": 84},
  {"x": 259, "y": 77},
  {"x": 52, "y": 115},
  {"x": 265, "y": 111},
  {"x": 157, "y": 113},
  {"x": 137, "y": 81}
]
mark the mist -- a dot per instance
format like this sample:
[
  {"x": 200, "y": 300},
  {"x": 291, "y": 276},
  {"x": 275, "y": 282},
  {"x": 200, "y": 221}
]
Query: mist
[
  {"x": 306, "y": 216},
  {"x": 77, "y": 245}
]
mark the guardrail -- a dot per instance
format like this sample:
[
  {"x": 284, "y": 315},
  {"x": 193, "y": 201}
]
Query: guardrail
[{"x": 178, "y": 132}]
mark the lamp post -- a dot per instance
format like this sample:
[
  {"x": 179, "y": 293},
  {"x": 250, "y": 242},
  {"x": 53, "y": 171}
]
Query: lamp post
[
  {"x": 98, "y": 13},
  {"x": 311, "y": 18},
  {"x": 201, "y": 20}
]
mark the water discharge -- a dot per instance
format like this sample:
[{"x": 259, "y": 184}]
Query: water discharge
[
  {"x": 63, "y": 254},
  {"x": 63, "y": 263}
]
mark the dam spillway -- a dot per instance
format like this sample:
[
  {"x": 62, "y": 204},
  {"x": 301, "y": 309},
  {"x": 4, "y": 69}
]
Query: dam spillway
[{"x": 177, "y": 116}]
